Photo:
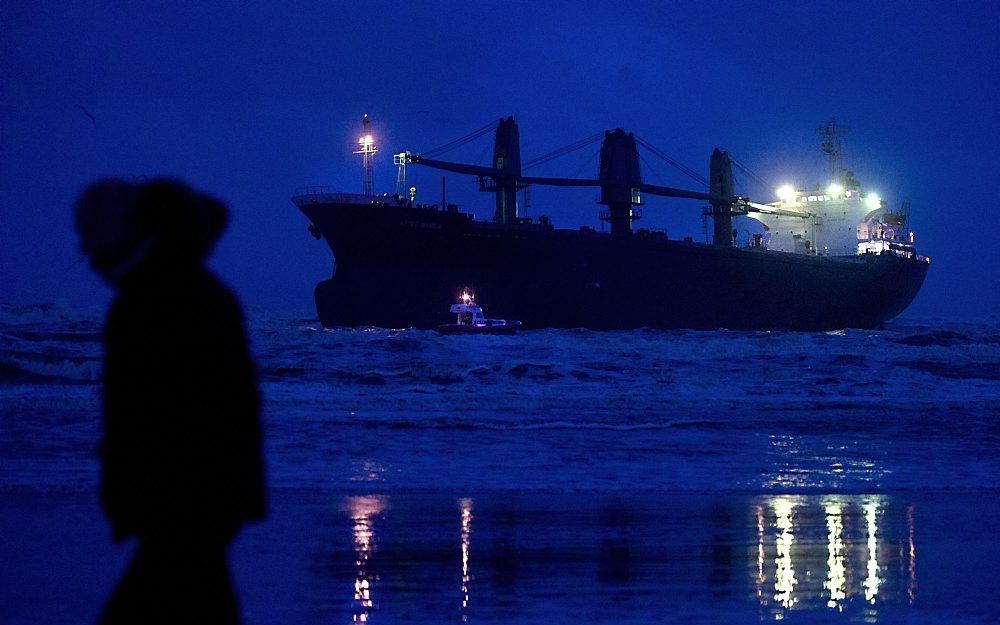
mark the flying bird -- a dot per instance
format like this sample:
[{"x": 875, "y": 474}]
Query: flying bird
[{"x": 87, "y": 113}]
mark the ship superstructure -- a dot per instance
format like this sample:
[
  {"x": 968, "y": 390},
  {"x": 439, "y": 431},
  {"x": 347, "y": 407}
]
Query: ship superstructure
[
  {"x": 824, "y": 259},
  {"x": 839, "y": 218}
]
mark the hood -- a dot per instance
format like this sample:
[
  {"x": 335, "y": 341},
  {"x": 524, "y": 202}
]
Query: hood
[
  {"x": 180, "y": 222},
  {"x": 124, "y": 224}
]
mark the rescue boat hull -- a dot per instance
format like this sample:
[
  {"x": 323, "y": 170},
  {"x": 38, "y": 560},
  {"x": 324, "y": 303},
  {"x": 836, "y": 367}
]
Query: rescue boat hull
[{"x": 454, "y": 328}]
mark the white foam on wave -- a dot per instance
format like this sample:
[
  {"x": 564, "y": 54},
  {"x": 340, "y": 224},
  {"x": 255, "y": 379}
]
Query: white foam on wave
[{"x": 566, "y": 408}]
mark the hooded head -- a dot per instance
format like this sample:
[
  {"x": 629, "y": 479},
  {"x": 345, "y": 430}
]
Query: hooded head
[{"x": 121, "y": 224}]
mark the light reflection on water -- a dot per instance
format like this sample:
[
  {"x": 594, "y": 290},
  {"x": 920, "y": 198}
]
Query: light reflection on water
[
  {"x": 872, "y": 581},
  {"x": 851, "y": 556},
  {"x": 363, "y": 511},
  {"x": 760, "y": 554},
  {"x": 466, "y": 507},
  {"x": 862, "y": 563},
  {"x": 836, "y": 580},
  {"x": 784, "y": 575},
  {"x": 911, "y": 586}
]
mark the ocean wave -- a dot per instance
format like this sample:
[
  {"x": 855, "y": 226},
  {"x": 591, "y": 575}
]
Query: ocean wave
[
  {"x": 849, "y": 359},
  {"x": 534, "y": 371},
  {"x": 17, "y": 367},
  {"x": 50, "y": 336},
  {"x": 634, "y": 399},
  {"x": 459, "y": 423},
  {"x": 64, "y": 315},
  {"x": 940, "y": 338},
  {"x": 957, "y": 371}
]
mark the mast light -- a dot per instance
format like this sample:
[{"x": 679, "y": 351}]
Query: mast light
[
  {"x": 367, "y": 150},
  {"x": 835, "y": 190}
]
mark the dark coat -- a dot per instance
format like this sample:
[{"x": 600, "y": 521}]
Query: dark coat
[{"x": 182, "y": 441}]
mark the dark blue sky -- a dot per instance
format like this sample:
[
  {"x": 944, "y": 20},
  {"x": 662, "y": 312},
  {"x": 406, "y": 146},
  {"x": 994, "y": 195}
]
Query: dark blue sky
[{"x": 250, "y": 100}]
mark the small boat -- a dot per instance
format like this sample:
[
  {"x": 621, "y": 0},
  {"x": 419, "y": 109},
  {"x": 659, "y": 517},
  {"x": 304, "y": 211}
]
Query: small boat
[{"x": 471, "y": 320}]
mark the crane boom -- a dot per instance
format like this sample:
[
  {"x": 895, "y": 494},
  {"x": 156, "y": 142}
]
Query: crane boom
[
  {"x": 560, "y": 182},
  {"x": 479, "y": 170},
  {"x": 653, "y": 189},
  {"x": 649, "y": 189},
  {"x": 754, "y": 207},
  {"x": 458, "y": 168}
]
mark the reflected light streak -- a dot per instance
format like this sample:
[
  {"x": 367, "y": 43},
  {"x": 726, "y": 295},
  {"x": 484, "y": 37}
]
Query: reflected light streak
[
  {"x": 784, "y": 575},
  {"x": 872, "y": 582},
  {"x": 911, "y": 586},
  {"x": 836, "y": 580},
  {"x": 760, "y": 555},
  {"x": 466, "y": 506},
  {"x": 363, "y": 510}
]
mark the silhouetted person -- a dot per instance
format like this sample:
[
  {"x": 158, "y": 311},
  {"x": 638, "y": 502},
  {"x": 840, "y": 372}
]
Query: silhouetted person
[{"x": 181, "y": 451}]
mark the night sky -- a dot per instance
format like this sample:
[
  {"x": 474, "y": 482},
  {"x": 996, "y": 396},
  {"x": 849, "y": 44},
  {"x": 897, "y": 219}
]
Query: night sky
[{"x": 249, "y": 101}]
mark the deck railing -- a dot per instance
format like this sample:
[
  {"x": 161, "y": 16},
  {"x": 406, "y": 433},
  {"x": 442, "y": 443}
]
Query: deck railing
[{"x": 316, "y": 190}]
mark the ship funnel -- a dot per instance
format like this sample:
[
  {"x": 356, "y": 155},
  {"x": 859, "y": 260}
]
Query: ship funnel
[
  {"x": 720, "y": 180},
  {"x": 507, "y": 159},
  {"x": 620, "y": 180}
]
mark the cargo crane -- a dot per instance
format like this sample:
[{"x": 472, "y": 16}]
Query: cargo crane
[{"x": 619, "y": 178}]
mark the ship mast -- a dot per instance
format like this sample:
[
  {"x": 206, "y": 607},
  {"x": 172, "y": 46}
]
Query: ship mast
[
  {"x": 833, "y": 148},
  {"x": 367, "y": 150}
]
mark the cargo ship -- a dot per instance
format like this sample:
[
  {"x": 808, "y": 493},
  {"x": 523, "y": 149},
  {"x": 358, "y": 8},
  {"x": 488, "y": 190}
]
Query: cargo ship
[{"x": 827, "y": 258}]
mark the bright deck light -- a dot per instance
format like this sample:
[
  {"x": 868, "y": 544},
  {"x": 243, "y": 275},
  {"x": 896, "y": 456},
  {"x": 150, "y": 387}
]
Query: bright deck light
[
  {"x": 873, "y": 201},
  {"x": 786, "y": 193},
  {"x": 835, "y": 190}
]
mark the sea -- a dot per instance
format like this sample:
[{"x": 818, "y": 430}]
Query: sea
[{"x": 553, "y": 476}]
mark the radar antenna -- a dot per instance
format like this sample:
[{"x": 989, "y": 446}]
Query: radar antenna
[
  {"x": 367, "y": 150},
  {"x": 833, "y": 147}
]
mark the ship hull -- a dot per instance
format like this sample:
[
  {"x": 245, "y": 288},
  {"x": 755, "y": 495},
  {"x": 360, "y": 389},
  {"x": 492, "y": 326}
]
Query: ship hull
[{"x": 397, "y": 266}]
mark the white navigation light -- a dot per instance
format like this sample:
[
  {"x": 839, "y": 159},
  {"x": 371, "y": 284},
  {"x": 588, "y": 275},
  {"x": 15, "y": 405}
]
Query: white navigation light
[
  {"x": 873, "y": 201},
  {"x": 835, "y": 190},
  {"x": 786, "y": 193}
]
